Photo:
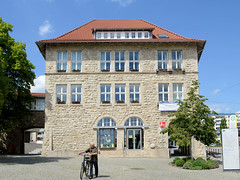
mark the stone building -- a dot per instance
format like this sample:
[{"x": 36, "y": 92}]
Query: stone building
[{"x": 104, "y": 82}]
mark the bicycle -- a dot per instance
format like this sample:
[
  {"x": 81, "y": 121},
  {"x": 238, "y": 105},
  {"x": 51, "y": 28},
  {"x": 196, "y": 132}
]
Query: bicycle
[{"x": 85, "y": 165}]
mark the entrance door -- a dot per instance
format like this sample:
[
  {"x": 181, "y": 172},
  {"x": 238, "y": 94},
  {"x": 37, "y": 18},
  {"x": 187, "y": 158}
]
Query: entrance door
[{"x": 134, "y": 138}]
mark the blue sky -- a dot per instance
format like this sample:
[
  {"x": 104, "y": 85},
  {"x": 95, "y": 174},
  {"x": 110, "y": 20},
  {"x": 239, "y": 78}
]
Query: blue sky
[{"x": 216, "y": 21}]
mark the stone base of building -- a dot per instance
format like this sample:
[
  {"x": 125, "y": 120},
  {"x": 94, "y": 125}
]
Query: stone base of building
[{"x": 147, "y": 153}]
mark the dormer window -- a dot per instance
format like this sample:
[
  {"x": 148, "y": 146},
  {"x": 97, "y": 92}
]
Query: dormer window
[
  {"x": 162, "y": 36},
  {"x": 128, "y": 34}
]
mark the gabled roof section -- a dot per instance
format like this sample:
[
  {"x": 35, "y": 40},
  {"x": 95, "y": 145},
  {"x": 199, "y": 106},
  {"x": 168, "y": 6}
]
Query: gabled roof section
[
  {"x": 84, "y": 33},
  {"x": 42, "y": 95}
]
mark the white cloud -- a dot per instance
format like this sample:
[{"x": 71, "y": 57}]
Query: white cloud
[
  {"x": 39, "y": 84},
  {"x": 220, "y": 108},
  {"x": 123, "y": 3},
  {"x": 216, "y": 91},
  {"x": 46, "y": 28},
  {"x": 238, "y": 112}
]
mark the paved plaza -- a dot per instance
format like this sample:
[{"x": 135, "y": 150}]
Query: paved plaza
[{"x": 61, "y": 168}]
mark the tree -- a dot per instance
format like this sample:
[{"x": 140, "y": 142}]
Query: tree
[
  {"x": 223, "y": 125},
  {"x": 16, "y": 78},
  {"x": 192, "y": 119}
]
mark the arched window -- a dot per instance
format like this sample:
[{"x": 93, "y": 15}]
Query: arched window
[
  {"x": 133, "y": 121},
  {"x": 133, "y": 133},
  {"x": 107, "y": 133}
]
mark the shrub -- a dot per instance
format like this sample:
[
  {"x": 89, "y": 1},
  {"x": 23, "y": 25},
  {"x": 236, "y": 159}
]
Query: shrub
[
  {"x": 213, "y": 164},
  {"x": 206, "y": 165},
  {"x": 187, "y": 164},
  {"x": 199, "y": 159},
  {"x": 187, "y": 158},
  {"x": 196, "y": 168},
  {"x": 179, "y": 162},
  {"x": 197, "y": 163},
  {"x": 175, "y": 159}
]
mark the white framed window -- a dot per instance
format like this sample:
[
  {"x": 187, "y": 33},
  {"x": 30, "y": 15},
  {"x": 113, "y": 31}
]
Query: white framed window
[
  {"x": 119, "y": 61},
  {"x": 139, "y": 34},
  {"x": 118, "y": 35},
  {"x": 105, "y": 35},
  {"x": 38, "y": 104},
  {"x": 120, "y": 90},
  {"x": 105, "y": 93},
  {"x": 127, "y": 35},
  {"x": 133, "y": 61},
  {"x": 62, "y": 61},
  {"x": 163, "y": 92},
  {"x": 133, "y": 35},
  {"x": 105, "y": 61},
  {"x": 146, "y": 35},
  {"x": 112, "y": 35},
  {"x": 177, "y": 92},
  {"x": 61, "y": 94},
  {"x": 133, "y": 121},
  {"x": 107, "y": 136},
  {"x": 134, "y": 93},
  {"x": 76, "y": 92},
  {"x": 99, "y": 35},
  {"x": 76, "y": 60},
  {"x": 176, "y": 59},
  {"x": 162, "y": 59}
]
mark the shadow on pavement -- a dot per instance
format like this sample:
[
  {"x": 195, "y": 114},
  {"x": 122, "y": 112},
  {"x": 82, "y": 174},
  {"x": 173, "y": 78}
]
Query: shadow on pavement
[{"x": 29, "y": 159}]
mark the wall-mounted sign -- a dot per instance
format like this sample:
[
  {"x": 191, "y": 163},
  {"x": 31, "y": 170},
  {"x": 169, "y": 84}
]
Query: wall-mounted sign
[
  {"x": 233, "y": 121},
  {"x": 162, "y": 124}
]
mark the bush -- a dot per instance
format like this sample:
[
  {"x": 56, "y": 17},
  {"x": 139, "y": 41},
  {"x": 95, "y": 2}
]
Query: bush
[
  {"x": 179, "y": 162},
  {"x": 187, "y": 164},
  {"x": 202, "y": 163},
  {"x": 196, "y": 168},
  {"x": 187, "y": 158},
  {"x": 213, "y": 164},
  {"x": 175, "y": 159}
]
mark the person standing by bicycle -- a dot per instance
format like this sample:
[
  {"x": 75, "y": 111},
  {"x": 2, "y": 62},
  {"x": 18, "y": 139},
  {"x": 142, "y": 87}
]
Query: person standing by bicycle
[{"x": 93, "y": 153}]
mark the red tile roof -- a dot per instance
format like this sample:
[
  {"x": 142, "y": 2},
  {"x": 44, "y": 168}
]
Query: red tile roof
[
  {"x": 38, "y": 94},
  {"x": 84, "y": 32}
]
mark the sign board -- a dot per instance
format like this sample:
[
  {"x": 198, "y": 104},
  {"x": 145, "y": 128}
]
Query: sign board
[
  {"x": 233, "y": 121},
  {"x": 230, "y": 149},
  {"x": 167, "y": 106},
  {"x": 162, "y": 124}
]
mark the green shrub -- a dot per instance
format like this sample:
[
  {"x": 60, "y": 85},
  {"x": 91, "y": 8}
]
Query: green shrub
[
  {"x": 206, "y": 165},
  {"x": 197, "y": 163},
  {"x": 187, "y": 158},
  {"x": 175, "y": 159},
  {"x": 196, "y": 168},
  {"x": 213, "y": 164},
  {"x": 187, "y": 164},
  {"x": 199, "y": 159},
  {"x": 179, "y": 162}
]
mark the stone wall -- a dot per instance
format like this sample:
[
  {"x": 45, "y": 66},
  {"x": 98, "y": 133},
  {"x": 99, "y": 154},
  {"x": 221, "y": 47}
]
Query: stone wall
[{"x": 70, "y": 127}]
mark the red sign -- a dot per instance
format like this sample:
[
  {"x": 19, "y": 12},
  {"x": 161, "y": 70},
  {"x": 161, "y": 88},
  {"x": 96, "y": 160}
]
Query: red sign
[{"x": 162, "y": 124}]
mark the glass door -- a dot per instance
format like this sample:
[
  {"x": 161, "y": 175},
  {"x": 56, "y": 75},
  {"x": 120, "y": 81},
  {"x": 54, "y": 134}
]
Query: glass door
[{"x": 134, "y": 139}]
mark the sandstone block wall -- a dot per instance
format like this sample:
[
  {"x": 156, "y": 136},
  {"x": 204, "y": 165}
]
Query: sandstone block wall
[{"x": 70, "y": 127}]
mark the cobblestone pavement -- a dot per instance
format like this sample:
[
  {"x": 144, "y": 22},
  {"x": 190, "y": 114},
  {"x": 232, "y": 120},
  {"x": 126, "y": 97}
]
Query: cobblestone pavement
[{"x": 59, "y": 168}]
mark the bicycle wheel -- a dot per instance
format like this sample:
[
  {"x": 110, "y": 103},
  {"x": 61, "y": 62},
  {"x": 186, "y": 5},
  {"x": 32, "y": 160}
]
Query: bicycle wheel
[
  {"x": 82, "y": 171},
  {"x": 87, "y": 168}
]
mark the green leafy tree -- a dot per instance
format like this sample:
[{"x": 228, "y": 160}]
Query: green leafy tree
[
  {"x": 16, "y": 78},
  {"x": 192, "y": 119},
  {"x": 223, "y": 125}
]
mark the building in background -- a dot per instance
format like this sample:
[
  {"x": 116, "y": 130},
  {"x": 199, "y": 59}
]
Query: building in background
[
  {"x": 104, "y": 82},
  {"x": 220, "y": 116}
]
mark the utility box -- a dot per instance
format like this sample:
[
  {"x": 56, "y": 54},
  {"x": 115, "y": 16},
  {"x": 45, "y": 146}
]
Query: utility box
[{"x": 230, "y": 151}]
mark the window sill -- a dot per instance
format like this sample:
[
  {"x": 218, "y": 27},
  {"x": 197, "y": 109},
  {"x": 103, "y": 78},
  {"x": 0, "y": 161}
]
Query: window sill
[
  {"x": 134, "y": 70},
  {"x": 105, "y": 70},
  {"x": 120, "y": 102},
  {"x": 61, "y": 102},
  {"x": 105, "y": 104},
  {"x": 119, "y": 70},
  {"x": 76, "y": 102},
  {"x": 134, "y": 101},
  {"x": 61, "y": 70},
  {"x": 76, "y": 70},
  {"x": 104, "y": 149},
  {"x": 135, "y": 104}
]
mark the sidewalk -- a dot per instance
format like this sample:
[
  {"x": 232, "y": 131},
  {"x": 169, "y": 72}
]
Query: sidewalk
[{"x": 59, "y": 168}]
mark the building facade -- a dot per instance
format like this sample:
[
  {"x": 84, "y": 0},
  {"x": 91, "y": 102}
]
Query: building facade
[
  {"x": 104, "y": 82},
  {"x": 220, "y": 116}
]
